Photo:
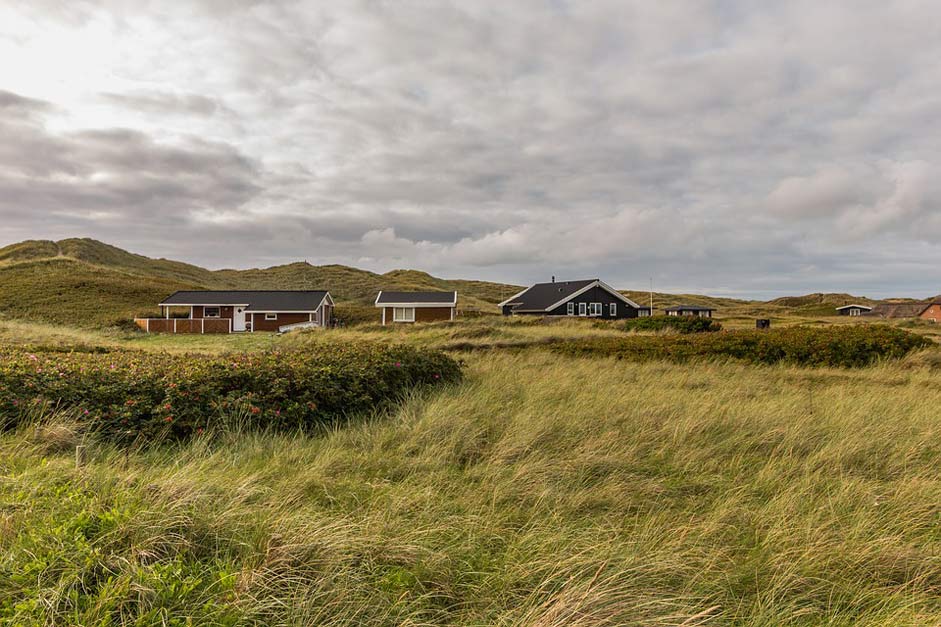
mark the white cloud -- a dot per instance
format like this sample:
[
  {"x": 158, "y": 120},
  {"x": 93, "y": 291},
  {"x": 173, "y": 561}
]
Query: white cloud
[{"x": 745, "y": 147}]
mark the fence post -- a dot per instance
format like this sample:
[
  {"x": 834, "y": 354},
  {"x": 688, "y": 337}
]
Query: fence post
[{"x": 81, "y": 455}]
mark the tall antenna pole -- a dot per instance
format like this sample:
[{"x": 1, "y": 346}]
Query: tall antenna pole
[{"x": 651, "y": 296}]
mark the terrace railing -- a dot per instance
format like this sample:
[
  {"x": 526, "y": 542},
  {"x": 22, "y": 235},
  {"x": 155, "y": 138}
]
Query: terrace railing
[{"x": 184, "y": 325}]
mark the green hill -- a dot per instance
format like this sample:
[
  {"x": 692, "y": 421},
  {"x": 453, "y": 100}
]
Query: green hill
[{"x": 85, "y": 282}]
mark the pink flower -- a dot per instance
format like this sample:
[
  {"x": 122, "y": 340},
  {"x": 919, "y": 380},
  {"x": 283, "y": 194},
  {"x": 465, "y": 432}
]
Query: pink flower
[
  {"x": 398, "y": 364},
  {"x": 437, "y": 376},
  {"x": 33, "y": 357},
  {"x": 169, "y": 418}
]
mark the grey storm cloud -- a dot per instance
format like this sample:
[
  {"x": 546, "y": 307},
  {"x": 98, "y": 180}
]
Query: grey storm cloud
[{"x": 734, "y": 147}]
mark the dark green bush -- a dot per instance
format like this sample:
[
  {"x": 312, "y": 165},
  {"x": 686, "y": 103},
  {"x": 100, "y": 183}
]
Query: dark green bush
[
  {"x": 842, "y": 346},
  {"x": 132, "y": 394},
  {"x": 680, "y": 324}
]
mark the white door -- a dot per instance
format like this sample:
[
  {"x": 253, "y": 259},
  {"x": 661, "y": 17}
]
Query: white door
[{"x": 238, "y": 319}]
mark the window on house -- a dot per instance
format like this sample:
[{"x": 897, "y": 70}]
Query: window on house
[
  {"x": 403, "y": 314},
  {"x": 643, "y": 313},
  {"x": 211, "y": 312},
  {"x": 595, "y": 309},
  {"x": 612, "y": 309},
  {"x": 271, "y": 316},
  {"x": 570, "y": 309},
  {"x": 582, "y": 309}
]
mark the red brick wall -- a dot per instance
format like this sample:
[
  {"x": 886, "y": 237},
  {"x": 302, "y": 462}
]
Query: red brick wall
[{"x": 933, "y": 313}]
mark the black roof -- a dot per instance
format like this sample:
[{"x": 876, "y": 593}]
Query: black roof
[
  {"x": 689, "y": 308},
  {"x": 541, "y": 296},
  {"x": 424, "y": 298},
  {"x": 255, "y": 300}
]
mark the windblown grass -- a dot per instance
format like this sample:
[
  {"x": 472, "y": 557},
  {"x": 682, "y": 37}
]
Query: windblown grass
[{"x": 543, "y": 491}]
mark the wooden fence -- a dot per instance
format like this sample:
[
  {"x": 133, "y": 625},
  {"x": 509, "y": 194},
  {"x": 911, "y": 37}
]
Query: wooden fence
[{"x": 184, "y": 325}]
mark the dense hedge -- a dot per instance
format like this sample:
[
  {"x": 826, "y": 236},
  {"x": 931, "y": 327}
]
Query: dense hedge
[
  {"x": 844, "y": 346},
  {"x": 680, "y": 324},
  {"x": 132, "y": 394}
]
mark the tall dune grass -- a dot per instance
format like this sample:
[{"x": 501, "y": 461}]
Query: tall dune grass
[{"x": 544, "y": 490}]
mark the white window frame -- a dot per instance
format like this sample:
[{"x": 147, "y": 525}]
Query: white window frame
[
  {"x": 582, "y": 309},
  {"x": 271, "y": 316},
  {"x": 570, "y": 309},
  {"x": 643, "y": 313},
  {"x": 403, "y": 314},
  {"x": 206, "y": 311},
  {"x": 613, "y": 309},
  {"x": 595, "y": 309}
]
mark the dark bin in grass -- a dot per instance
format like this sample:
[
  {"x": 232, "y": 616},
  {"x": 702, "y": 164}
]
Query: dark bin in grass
[{"x": 762, "y": 323}]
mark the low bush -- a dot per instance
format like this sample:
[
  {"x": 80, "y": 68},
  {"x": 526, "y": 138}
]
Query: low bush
[
  {"x": 126, "y": 394},
  {"x": 843, "y": 346},
  {"x": 680, "y": 324}
]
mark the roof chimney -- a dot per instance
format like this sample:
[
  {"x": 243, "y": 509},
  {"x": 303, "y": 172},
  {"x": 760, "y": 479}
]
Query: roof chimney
[{"x": 553, "y": 278}]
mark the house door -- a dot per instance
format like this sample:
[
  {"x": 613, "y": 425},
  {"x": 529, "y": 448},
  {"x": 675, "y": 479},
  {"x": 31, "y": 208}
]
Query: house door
[{"x": 238, "y": 319}]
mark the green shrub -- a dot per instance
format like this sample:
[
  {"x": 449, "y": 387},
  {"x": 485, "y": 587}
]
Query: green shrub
[
  {"x": 844, "y": 346},
  {"x": 680, "y": 324},
  {"x": 128, "y": 394}
]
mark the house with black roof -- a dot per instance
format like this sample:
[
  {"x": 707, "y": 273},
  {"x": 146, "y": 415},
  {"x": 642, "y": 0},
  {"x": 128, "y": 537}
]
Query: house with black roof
[
  {"x": 689, "y": 310},
  {"x": 237, "y": 311},
  {"x": 585, "y": 298},
  {"x": 410, "y": 307},
  {"x": 853, "y": 310}
]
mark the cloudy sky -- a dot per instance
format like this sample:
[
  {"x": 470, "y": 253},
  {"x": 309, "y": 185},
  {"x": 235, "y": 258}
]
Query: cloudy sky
[{"x": 730, "y": 147}]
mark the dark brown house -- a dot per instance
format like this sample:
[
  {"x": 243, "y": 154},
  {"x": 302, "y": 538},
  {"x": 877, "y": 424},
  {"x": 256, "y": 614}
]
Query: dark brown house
[
  {"x": 409, "y": 307},
  {"x": 689, "y": 310},
  {"x": 238, "y": 311},
  {"x": 586, "y": 298},
  {"x": 853, "y": 310}
]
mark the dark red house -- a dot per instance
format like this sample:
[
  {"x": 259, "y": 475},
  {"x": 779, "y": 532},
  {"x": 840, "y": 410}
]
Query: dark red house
[{"x": 238, "y": 311}]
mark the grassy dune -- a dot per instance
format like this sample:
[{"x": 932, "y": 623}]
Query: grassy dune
[
  {"x": 83, "y": 282},
  {"x": 543, "y": 490}
]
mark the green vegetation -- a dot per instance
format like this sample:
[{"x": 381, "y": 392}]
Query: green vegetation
[
  {"x": 678, "y": 324},
  {"x": 544, "y": 490},
  {"x": 134, "y": 395},
  {"x": 570, "y": 474},
  {"x": 839, "y": 347}
]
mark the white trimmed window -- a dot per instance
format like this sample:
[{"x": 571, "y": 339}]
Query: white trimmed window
[
  {"x": 582, "y": 309},
  {"x": 595, "y": 309},
  {"x": 612, "y": 309},
  {"x": 271, "y": 316},
  {"x": 570, "y": 309},
  {"x": 211, "y": 312},
  {"x": 403, "y": 314},
  {"x": 643, "y": 313}
]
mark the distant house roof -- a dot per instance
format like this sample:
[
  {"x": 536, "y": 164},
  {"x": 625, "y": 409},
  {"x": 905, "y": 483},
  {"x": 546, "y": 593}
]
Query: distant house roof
[
  {"x": 688, "y": 308},
  {"x": 416, "y": 299},
  {"x": 899, "y": 310},
  {"x": 547, "y": 296},
  {"x": 866, "y": 307},
  {"x": 252, "y": 300}
]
